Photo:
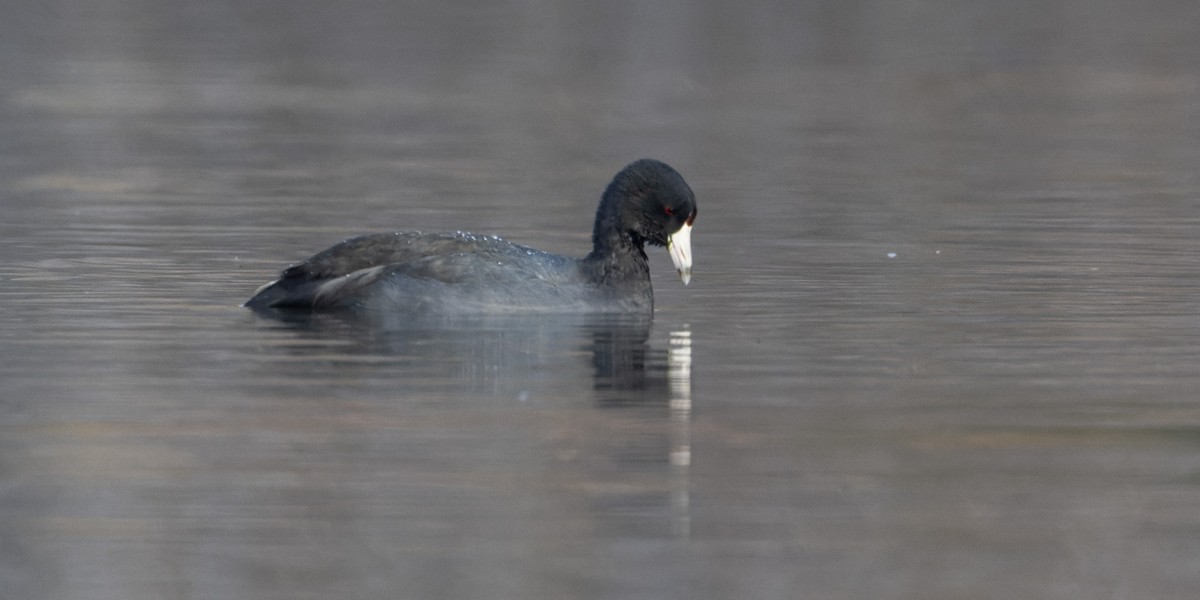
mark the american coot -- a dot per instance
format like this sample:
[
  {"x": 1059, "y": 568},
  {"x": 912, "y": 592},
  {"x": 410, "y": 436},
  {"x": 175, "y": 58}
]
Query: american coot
[{"x": 648, "y": 202}]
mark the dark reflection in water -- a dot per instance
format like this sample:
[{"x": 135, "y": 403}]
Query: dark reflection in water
[
  {"x": 507, "y": 347},
  {"x": 629, "y": 469}
]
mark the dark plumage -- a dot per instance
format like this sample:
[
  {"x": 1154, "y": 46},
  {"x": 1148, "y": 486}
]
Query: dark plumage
[{"x": 647, "y": 202}]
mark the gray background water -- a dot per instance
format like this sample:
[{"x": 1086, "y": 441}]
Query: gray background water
[{"x": 1005, "y": 408}]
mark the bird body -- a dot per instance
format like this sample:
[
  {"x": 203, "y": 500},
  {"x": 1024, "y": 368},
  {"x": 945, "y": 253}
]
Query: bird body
[{"x": 647, "y": 203}]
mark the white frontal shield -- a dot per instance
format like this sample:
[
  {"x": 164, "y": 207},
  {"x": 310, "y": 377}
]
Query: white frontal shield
[{"x": 679, "y": 245}]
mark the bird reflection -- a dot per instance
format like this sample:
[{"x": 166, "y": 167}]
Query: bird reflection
[
  {"x": 625, "y": 362},
  {"x": 617, "y": 361},
  {"x": 627, "y": 369}
]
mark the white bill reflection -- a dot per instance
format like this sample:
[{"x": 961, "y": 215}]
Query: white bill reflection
[{"x": 679, "y": 380}]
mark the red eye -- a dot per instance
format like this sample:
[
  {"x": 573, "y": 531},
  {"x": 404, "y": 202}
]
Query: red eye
[{"x": 670, "y": 211}]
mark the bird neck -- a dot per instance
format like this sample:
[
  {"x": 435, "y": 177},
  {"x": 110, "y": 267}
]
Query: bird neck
[
  {"x": 617, "y": 253},
  {"x": 609, "y": 235}
]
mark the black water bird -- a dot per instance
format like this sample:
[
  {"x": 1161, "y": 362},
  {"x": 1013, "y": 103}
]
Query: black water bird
[{"x": 647, "y": 202}]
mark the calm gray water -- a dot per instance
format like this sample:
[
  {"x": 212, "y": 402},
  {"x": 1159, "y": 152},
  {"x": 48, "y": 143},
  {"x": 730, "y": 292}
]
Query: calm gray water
[{"x": 942, "y": 338}]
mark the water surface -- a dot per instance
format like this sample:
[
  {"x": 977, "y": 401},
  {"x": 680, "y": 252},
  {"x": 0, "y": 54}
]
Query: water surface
[{"x": 940, "y": 342}]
